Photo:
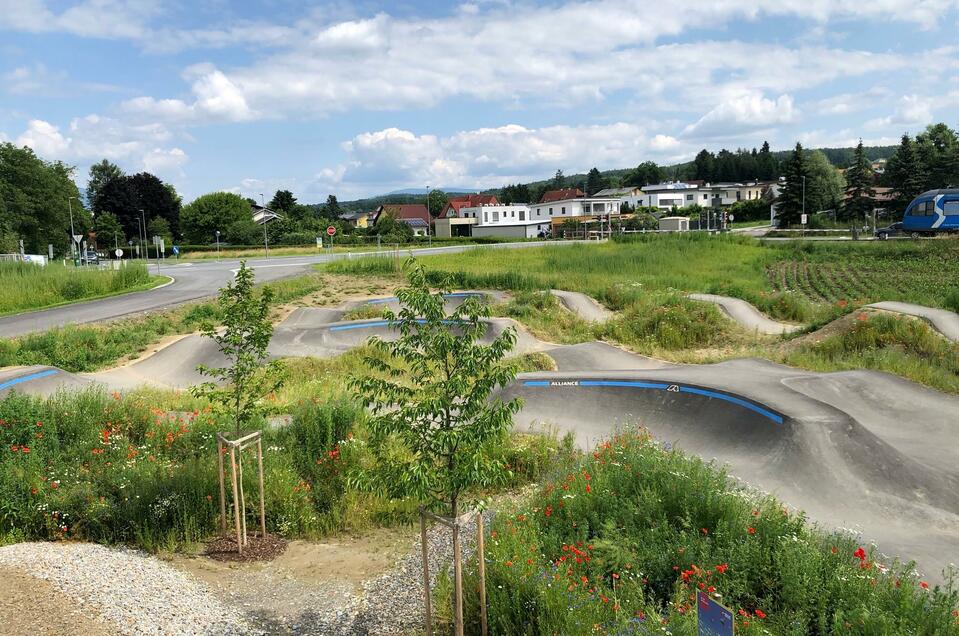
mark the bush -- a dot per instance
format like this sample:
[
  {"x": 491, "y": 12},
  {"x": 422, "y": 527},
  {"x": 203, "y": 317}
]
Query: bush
[
  {"x": 668, "y": 321},
  {"x": 623, "y": 541}
]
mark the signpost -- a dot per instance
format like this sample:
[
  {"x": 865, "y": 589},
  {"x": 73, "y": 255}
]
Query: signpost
[
  {"x": 176, "y": 251},
  {"x": 331, "y": 232},
  {"x": 712, "y": 618},
  {"x": 118, "y": 252}
]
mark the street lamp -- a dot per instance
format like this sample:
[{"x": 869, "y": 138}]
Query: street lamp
[
  {"x": 218, "y": 245},
  {"x": 139, "y": 232},
  {"x": 73, "y": 233},
  {"x": 146, "y": 253},
  {"x": 804, "y": 202},
  {"x": 266, "y": 240},
  {"x": 429, "y": 211}
]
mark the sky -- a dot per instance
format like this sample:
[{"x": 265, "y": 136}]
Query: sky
[{"x": 366, "y": 97}]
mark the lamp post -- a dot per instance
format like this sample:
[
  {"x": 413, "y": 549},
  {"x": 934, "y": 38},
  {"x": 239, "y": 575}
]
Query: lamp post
[
  {"x": 73, "y": 233},
  {"x": 429, "y": 211},
  {"x": 139, "y": 233},
  {"x": 266, "y": 240},
  {"x": 143, "y": 218},
  {"x": 804, "y": 203},
  {"x": 218, "y": 245}
]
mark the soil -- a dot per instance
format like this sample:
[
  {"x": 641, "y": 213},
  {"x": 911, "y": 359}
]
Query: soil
[
  {"x": 33, "y": 607},
  {"x": 257, "y": 548},
  {"x": 321, "y": 574}
]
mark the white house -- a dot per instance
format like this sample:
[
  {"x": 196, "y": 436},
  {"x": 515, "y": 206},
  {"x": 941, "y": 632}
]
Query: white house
[
  {"x": 632, "y": 195},
  {"x": 572, "y": 202},
  {"x": 676, "y": 194}
]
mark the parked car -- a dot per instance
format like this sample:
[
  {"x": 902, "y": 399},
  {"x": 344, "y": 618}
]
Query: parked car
[
  {"x": 91, "y": 257},
  {"x": 884, "y": 233}
]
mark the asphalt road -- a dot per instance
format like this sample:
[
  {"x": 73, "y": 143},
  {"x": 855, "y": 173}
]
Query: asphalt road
[{"x": 193, "y": 281}]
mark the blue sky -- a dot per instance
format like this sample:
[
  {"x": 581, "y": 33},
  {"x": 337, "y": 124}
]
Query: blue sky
[{"x": 361, "y": 98}]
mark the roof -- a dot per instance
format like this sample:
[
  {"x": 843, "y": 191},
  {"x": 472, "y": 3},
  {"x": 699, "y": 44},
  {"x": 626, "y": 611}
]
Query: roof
[
  {"x": 415, "y": 222},
  {"x": 617, "y": 192},
  {"x": 456, "y": 203},
  {"x": 352, "y": 216},
  {"x": 403, "y": 212},
  {"x": 561, "y": 195}
]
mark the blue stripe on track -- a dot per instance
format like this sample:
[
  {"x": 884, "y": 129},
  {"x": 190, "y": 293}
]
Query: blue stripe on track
[
  {"x": 660, "y": 386},
  {"x": 381, "y": 301},
  {"x": 27, "y": 378}
]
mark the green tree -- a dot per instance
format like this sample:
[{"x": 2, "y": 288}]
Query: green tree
[
  {"x": 159, "y": 227},
  {"x": 332, "y": 208},
  {"x": 126, "y": 196},
  {"x": 283, "y": 202},
  {"x": 109, "y": 231},
  {"x": 767, "y": 166},
  {"x": 860, "y": 196},
  {"x": 224, "y": 211},
  {"x": 436, "y": 201},
  {"x": 704, "y": 166},
  {"x": 101, "y": 174},
  {"x": 825, "y": 185},
  {"x": 595, "y": 182},
  {"x": 905, "y": 172},
  {"x": 790, "y": 204},
  {"x": 559, "y": 181},
  {"x": 433, "y": 428},
  {"x": 938, "y": 148},
  {"x": 244, "y": 338},
  {"x": 644, "y": 174}
]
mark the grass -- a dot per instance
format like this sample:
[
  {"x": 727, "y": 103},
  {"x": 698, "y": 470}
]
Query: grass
[
  {"x": 94, "y": 347},
  {"x": 341, "y": 244},
  {"x": 621, "y": 542},
  {"x": 546, "y": 318},
  {"x": 29, "y": 287}
]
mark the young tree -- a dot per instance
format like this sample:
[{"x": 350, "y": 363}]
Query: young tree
[
  {"x": 159, "y": 227},
  {"x": 436, "y": 201},
  {"x": 790, "y": 205},
  {"x": 244, "y": 339},
  {"x": 224, "y": 211},
  {"x": 109, "y": 232},
  {"x": 860, "y": 196},
  {"x": 559, "y": 181},
  {"x": 434, "y": 429},
  {"x": 595, "y": 182},
  {"x": 825, "y": 185},
  {"x": 282, "y": 202}
]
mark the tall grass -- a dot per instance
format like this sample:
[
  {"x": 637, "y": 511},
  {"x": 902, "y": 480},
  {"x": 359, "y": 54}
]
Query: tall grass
[
  {"x": 622, "y": 542},
  {"x": 26, "y": 286}
]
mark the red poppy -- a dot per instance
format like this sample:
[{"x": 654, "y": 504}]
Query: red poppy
[
  {"x": 760, "y": 614},
  {"x": 24, "y": 449},
  {"x": 15, "y": 448},
  {"x": 752, "y": 530},
  {"x": 860, "y": 554},
  {"x": 923, "y": 585},
  {"x": 722, "y": 567}
]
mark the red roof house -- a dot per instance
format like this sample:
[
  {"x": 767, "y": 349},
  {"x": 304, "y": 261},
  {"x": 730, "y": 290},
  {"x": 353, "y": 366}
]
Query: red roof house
[
  {"x": 458, "y": 202},
  {"x": 562, "y": 195},
  {"x": 404, "y": 212}
]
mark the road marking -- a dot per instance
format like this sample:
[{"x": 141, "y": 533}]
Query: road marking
[
  {"x": 659, "y": 386},
  {"x": 27, "y": 378}
]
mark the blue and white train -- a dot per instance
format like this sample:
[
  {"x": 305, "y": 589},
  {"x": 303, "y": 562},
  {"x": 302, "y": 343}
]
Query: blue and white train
[{"x": 932, "y": 212}]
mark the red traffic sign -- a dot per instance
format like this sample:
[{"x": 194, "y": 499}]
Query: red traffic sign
[{"x": 331, "y": 230}]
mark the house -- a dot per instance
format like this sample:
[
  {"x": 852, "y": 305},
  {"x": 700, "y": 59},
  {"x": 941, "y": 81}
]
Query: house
[
  {"x": 556, "y": 205},
  {"x": 632, "y": 195},
  {"x": 406, "y": 213},
  {"x": 514, "y": 221},
  {"x": 356, "y": 219},
  {"x": 458, "y": 202},
  {"x": 263, "y": 214},
  {"x": 674, "y": 224},
  {"x": 673, "y": 194}
]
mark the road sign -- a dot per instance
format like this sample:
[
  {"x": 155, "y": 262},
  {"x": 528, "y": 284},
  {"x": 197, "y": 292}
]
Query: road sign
[
  {"x": 118, "y": 252},
  {"x": 713, "y": 619},
  {"x": 176, "y": 250},
  {"x": 732, "y": 217},
  {"x": 319, "y": 242},
  {"x": 331, "y": 230},
  {"x": 803, "y": 219},
  {"x": 77, "y": 238}
]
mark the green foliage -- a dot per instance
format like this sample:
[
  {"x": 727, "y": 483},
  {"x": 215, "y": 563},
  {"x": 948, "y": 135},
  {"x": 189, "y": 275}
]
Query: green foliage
[
  {"x": 644, "y": 174},
  {"x": 433, "y": 427},
  {"x": 905, "y": 172},
  {"x": 28, "y": 286},
  {"x": 825, "y": 185},
  {"x": 668, "y": 321},
  {"x": 224, "y": 211},
  {"x": 623, "y": 541},
  {"x": 860, "y": 195},
  {"x": 750, "y": 210},
  {"x": 100, "y": 174},
  {"x": 436, "y": 201},
  {"x": 110, "y": 233},
  {"x": 135, "y": 199},
  {"x": 595, "y": 182},
  {"x": 938, "y": 150},
  {"x": 791, "y": 201},
  {"x": 243, "y": 338}
]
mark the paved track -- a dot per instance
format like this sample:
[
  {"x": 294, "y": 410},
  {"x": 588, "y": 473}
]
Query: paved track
[
  {"x": 198, "y": 280},
  {"x": 860, "y": 449},
  {"x": 747, "y": 315}
]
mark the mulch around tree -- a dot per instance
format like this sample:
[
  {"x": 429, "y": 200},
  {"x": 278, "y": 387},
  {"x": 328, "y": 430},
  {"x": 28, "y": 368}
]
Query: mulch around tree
[{"x": 257, "y": 548}]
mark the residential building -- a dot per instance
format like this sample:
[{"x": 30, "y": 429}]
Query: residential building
[
  {"x": 356, "y": 219},
  {"x": 633, "y": 195},
  {"x": 493, "y": 220},
  {"x": 559, "y": 204},
  {"x": 406, "y": 213},
  {"x": 262, "y": 214},
  {"x": 673, "y": 194},
  {"x": 458, "y": 202}
]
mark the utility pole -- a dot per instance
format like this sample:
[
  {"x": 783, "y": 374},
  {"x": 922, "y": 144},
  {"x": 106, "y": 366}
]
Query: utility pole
[
  {"x": 143, "y": 240},
  {"x": 73, "y": 241},
  {"x": 804, "y": 203},
  {"x": 429, "y": 212},
  {"x": 218, "y": 245}
]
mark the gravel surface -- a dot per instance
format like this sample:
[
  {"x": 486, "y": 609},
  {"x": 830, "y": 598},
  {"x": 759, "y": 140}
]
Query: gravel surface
[{"x": 137, "y": 594}]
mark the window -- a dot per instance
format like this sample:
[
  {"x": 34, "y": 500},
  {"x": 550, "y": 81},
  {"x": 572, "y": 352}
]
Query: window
[
  {"x": 522, "y": 215},
  {"x": 689, "y": 197},
  {"x": 922, "y": 209},
  {"x": 951, "y": 208},
  {"x": 551, "y": 211},
  {"x": 485, "y": 216},
  {"x": 705, "y": 197},
  {"x": 495, "y": 216},
  {"x": 563, "y": 209}
]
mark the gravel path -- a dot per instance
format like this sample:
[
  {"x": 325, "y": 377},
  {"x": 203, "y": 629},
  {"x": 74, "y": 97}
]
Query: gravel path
[{"x": 135, "y": 593}]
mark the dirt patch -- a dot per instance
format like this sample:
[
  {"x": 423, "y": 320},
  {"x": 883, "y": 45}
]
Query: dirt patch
[
  {"x": 310, "y": 576},
  {"x": 257, "y": 548},
  {"x": 33, "y": 607},
  {"x": 338, "y": 290}
]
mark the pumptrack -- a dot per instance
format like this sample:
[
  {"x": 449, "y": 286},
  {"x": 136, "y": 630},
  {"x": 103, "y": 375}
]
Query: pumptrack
[{"x": 860, "y": 450}]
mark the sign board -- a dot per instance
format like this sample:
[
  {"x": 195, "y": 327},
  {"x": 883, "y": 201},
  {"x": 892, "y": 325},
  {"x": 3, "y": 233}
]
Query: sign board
[
  {"x": 331, "y": 230},
  {"x": 732, "y": 217},
  {"x": 803, "y": 219},
  {"x": 118, "y": 252},
  {"x": 176, "y": 250},
  {"x": 77, "y": 238},
  {"x": 712, "y": 618},
  {"x": 163, "y": 246},
  {"x": 50, "y": 251},
  {"x": 319, "y": 241}
]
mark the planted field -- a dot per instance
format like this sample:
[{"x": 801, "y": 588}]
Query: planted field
[
  {"x": 922, "y": 272},
  {"x": 26, "y": 286}
]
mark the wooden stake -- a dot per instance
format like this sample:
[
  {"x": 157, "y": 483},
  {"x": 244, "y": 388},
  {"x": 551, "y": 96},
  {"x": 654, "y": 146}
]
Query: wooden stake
[
  {"x": 219, "y": 458},
  {"x": 259, "y": 456},
  {"x": 236, "y": 499},
  {"x": 242, "y": 496},
  {"x": 457, "y": 579},
  {"x": 480, "y": 540},
  {"x": 426, "y": 575}
]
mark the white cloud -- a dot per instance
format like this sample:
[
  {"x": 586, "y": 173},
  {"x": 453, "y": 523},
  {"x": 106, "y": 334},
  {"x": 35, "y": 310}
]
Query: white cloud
[
  {"x": 912, "y": 111},
  {"x": 45, "y": 139},
  {"x": 161, "y": 161},
  {"x": 751, "y": 111},
  {"x": 487, "y": 157}
]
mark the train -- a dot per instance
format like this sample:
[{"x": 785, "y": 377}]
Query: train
[{"x": 932, "y": 212}]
